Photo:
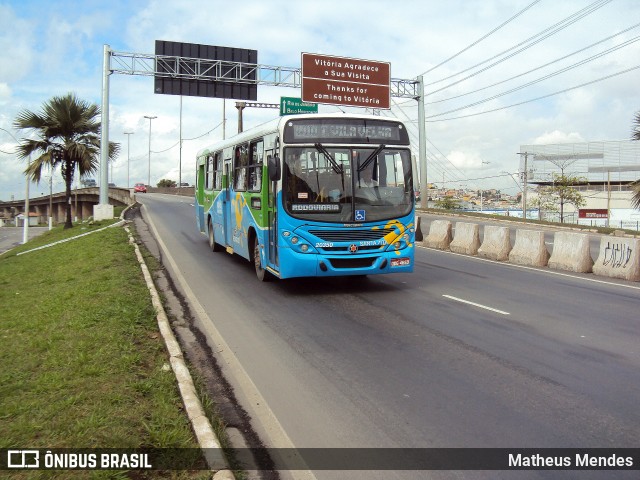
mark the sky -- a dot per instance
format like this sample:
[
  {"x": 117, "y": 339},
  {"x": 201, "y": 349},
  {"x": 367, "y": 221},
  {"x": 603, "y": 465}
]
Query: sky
[{"x": 498, "y": 74}]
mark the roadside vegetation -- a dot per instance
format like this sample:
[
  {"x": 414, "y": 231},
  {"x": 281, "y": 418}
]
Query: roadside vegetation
[{"x": 83, "y": 363}]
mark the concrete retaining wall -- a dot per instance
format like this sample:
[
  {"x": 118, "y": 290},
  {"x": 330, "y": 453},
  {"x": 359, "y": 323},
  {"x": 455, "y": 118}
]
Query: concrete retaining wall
[
  {"x": 466, "y": 239},
  {"x": 496, "y": 243},
  {"x": 619, "y": 258},
  {"x": 571, "y": 252},
  {"x": 529, "y": 249},
  {"x": 439, "y": 235}
]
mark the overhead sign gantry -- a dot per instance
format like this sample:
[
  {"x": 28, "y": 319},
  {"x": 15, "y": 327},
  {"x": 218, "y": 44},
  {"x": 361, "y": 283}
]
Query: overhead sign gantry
[{"x": 195, "y": 75}]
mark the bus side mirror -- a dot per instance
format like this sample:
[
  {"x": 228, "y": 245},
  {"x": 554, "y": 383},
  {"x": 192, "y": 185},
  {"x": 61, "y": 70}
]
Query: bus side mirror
[{"x": 273, "y": 168}]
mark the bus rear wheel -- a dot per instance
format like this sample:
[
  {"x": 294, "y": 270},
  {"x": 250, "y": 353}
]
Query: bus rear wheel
[
  {"x": 215, "y": 247},
  {"x": 261, "y": 273}
]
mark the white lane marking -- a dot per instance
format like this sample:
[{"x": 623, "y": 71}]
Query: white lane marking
[{"x": 476, "y": 304}]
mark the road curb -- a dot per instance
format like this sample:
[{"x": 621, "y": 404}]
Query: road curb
[{"x": 200, "y": 423}]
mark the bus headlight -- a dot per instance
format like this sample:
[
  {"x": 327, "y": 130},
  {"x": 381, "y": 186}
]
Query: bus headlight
[
  {"x": 295, "y": 240},
  {"x": 304, "y": 248},
  {"x": 397, "y": 245}
]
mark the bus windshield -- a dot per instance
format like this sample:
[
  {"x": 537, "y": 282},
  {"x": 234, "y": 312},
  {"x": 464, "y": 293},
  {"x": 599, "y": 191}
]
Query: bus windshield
[{"x": 353, "y": 184}]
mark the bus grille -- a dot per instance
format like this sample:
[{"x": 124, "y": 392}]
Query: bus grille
[
  {"x": 352, "y": 262},
  {"x": 351, "y": 235}
]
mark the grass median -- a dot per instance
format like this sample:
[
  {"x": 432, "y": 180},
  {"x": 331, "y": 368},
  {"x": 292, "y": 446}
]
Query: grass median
[{"x": 83, "y": 363}]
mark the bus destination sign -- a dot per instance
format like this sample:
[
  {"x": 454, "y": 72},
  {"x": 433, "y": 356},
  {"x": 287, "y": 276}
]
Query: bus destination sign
[{"x": 346, "y": 81}]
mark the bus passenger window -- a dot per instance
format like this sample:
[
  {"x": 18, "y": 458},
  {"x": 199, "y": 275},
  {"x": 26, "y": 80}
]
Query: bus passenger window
[
  {"x": 218, "y": 171},
  {"x": 209, "y": 179},
  {"x": 241, "y": 165},
  {"x": 255, "y": 166}
]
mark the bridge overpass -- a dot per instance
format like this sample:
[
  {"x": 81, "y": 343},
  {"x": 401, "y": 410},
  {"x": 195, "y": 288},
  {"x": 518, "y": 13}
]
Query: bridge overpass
[{"x": 82, "y": 202}]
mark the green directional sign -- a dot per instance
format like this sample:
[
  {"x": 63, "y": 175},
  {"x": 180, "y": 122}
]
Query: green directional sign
[{"x": 293, "y": 105}]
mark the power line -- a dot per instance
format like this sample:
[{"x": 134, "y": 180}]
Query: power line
[
  {"x": 554, "y": 61},
  {"x": 567, "y": 21},
  {"x": 529, "y": 101},
  {"x": 187, "y": 139},
  {"x": 483, "y": 37},
  {"x": 546, "y": 77}
]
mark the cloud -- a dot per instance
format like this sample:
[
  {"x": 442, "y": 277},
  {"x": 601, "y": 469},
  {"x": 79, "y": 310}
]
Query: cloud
[
  {"x": 558, "y": 137},
  {"x": 53, "y": 48}
]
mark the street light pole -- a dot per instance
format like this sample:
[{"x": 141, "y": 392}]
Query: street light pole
[
  {"x": 128, "y": 134},
  {"x": 150, "y": 118}
]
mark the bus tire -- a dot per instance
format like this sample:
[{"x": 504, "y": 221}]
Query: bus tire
[
  {"x": 215, "y": 247},
  {"x": 261, "y": 273}
]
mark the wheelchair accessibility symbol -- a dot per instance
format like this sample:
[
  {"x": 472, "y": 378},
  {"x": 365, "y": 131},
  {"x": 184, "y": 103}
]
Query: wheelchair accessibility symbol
[{"x": 360, "y": 215}]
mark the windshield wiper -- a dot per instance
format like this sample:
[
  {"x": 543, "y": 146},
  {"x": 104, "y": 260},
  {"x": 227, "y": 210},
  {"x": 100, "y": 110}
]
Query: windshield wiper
[
  {"x": 336, "y": 168},
  {"x": 370, "y": 158}
]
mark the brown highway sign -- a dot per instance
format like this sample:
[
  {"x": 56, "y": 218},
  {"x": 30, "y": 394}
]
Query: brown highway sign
[{"x": 346, "y": 81}]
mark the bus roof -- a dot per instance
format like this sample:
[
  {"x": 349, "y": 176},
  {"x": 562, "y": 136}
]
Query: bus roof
[{"x": 274, "y": 125}]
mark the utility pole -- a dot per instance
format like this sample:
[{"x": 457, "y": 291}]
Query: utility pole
[
  {"x": 149, "y": 178},
  {"x": 240, "y": 106},
  {"x": 128, "y": 134},
  {"x": 524, "y": 184}
]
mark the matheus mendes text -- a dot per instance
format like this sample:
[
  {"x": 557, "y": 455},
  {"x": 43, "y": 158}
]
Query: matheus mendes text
[{"x": 578, "y": 461}]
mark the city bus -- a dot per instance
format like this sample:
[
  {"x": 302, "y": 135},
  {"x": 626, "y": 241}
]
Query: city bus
[{"x": 311, "y": 195}]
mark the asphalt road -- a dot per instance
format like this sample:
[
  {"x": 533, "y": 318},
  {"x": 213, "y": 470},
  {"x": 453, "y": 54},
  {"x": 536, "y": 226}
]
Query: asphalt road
[
  {"x": 12, "y": 236},
  {"x": 538, "y": 359}
]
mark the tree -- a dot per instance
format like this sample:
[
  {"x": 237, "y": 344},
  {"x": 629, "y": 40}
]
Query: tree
[
  {"x": 562, "y": 192},
  {"x": 448, "y": 203},
  {"x": 167, "y": 183},
  {"x": 68, "y": 136},
  {"x": 544, "y": 202}
]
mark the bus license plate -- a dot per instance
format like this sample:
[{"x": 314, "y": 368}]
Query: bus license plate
[{"x": 400, "y": 262}]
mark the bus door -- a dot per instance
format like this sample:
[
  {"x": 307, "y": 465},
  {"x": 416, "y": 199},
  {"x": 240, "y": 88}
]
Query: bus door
[
  {"x": 272, "y": 219},
  {"x": 226, "y": 204}
]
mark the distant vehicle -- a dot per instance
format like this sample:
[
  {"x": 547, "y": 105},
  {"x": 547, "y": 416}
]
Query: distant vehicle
[
  {"x": 112, "y": 184},
  {"x": 140, "y": 188},
  {"x": 184, "y": 184},
  {"x": 89, "y": 182}
]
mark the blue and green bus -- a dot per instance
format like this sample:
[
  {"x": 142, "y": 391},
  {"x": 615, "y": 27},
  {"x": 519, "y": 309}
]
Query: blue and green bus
[{"x": 311, "y": 195}]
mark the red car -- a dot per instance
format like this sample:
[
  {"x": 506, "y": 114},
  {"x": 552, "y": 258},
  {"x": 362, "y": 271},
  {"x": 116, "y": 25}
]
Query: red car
[{"x": 140, "y": 188}]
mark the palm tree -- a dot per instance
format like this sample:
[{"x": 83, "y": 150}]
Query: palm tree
[{"x": 67, "y": 135}]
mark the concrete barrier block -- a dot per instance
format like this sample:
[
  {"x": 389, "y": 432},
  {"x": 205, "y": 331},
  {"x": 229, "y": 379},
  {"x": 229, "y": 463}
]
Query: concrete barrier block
[
  {"x": 439, "y": 235},
  {"x": 529, "y": 249},
  {"x": 466, "y": 239},
  {"x": 571, "y": 252},
  {"x": 619, "y": 258},
  {"x": 496, "y": 243}
]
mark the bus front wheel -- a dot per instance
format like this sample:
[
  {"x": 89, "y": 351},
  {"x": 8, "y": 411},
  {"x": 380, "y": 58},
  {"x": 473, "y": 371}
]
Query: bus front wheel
[{"x": 261, "y": 273}]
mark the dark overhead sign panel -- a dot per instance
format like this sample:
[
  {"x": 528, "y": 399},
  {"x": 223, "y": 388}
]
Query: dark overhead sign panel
[
  {"x": 346, "y": 81},
  {"x": 194, "y": 70}
]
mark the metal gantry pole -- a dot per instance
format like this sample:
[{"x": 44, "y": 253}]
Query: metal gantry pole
[
  {"x": 180, "y": 156},
  {"x": 422, "y": 145},
  {"x": 104, "y": 129}
]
